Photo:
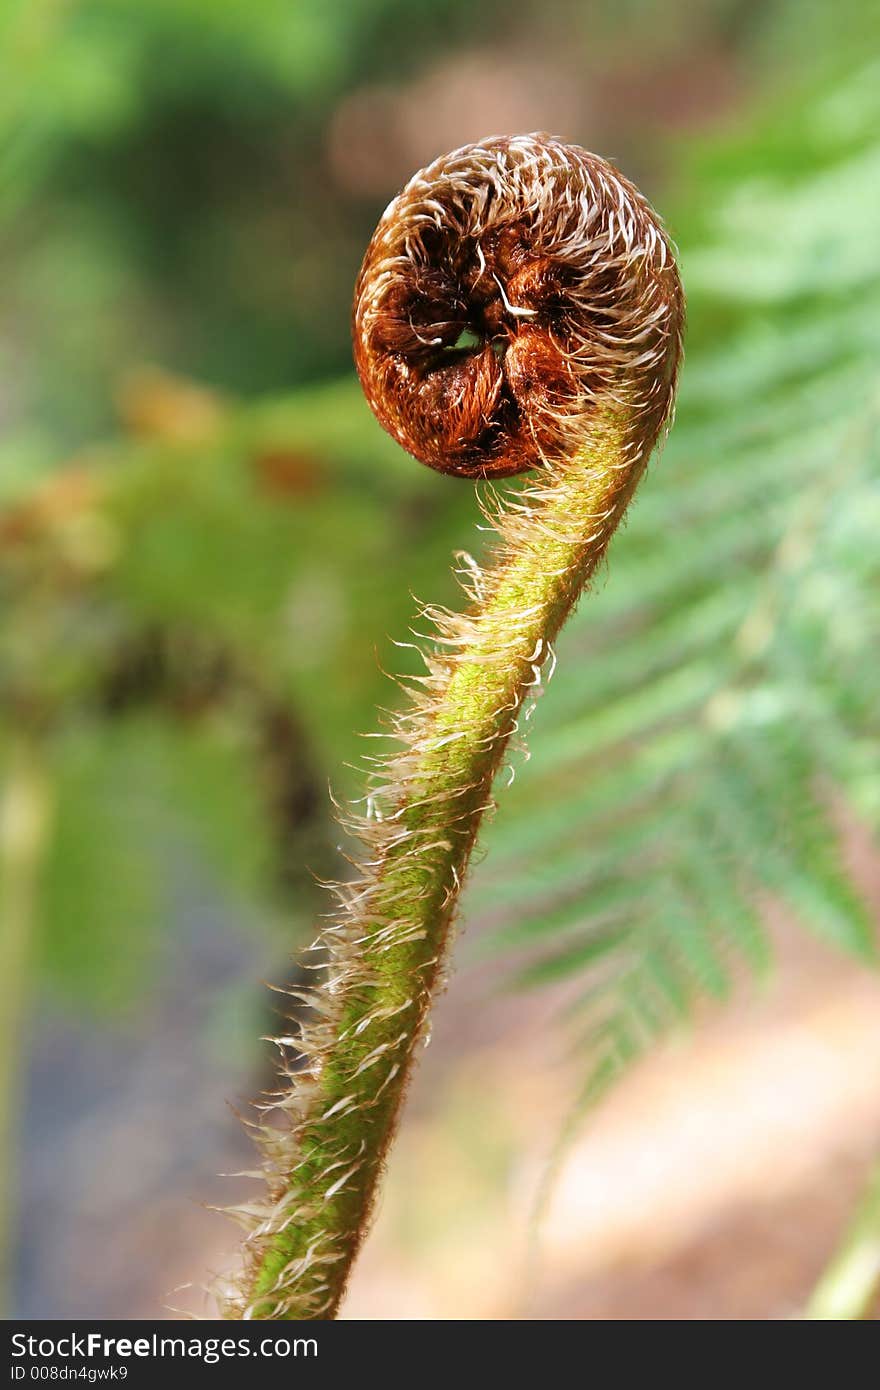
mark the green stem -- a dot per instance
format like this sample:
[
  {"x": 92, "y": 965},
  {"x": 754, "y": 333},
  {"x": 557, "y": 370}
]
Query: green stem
[
  {"x": 24, "y": 828},
  {"x": 850, "y": 1285},
  {"x": 389, "y": 947}
]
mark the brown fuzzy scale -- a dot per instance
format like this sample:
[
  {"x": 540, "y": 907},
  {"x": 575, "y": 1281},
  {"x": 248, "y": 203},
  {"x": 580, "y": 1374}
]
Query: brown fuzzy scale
[
  {"x": 561, "y": 271},
  {"x": 506, "y": 242}
]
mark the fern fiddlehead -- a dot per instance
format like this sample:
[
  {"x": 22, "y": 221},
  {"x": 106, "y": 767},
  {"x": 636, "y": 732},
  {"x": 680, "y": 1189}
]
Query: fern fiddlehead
[{"x": 518, "y": 310}]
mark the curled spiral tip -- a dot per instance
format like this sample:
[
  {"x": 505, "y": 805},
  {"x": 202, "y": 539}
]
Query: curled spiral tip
[{"x": 511, "y": 289}]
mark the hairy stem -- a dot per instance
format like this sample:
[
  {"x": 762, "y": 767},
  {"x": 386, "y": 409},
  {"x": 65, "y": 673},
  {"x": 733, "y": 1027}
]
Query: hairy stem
[
  {"x": 400, "y": 913},
  {"x": 556, "y": 266},
  {"x": 24, "y": 829}
]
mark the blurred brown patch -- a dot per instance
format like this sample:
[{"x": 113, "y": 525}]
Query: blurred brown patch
[
  {"x": 67, "y": 493},
  {"x": 287, "y": 473}
]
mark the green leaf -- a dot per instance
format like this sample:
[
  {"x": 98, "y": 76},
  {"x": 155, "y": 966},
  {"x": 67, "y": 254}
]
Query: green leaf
[{"x": 715, "y": 702}]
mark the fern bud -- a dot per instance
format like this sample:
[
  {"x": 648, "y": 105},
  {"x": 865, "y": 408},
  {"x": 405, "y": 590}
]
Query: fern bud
[
  {"x": 519, "y": 309},
  {"x": 511, "y": 288}
]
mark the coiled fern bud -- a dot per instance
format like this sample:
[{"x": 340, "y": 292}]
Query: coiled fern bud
[{"x": 518, "y": 310}]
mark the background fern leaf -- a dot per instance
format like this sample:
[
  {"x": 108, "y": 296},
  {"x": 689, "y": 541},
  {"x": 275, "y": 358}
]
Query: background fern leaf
[{"x": 714, "y": 719}]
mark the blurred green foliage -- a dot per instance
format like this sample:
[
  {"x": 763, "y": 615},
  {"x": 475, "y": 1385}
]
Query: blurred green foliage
[
  {"x": 165, "y": 193},
  {"x": 274, "y": 542}
]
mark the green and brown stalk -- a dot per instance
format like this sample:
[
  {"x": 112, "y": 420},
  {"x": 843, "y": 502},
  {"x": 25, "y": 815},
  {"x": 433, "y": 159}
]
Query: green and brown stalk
[
  {"x": 519, "y": 309},
  {"x": 849, "y": 1288},
  {"x": 25, "y": 828}
]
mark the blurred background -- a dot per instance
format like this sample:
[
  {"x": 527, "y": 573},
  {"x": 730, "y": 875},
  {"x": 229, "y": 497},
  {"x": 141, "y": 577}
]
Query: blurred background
[{"x": 208, "y": 548}]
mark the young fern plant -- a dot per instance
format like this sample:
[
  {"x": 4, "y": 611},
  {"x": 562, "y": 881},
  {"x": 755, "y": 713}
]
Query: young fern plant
[{"x": 519, "y": 310}]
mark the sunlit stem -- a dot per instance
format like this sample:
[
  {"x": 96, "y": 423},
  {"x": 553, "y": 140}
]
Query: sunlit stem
[
  {"x": 850, "y": 1285},
  {"x": 25, "y": 820}
]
